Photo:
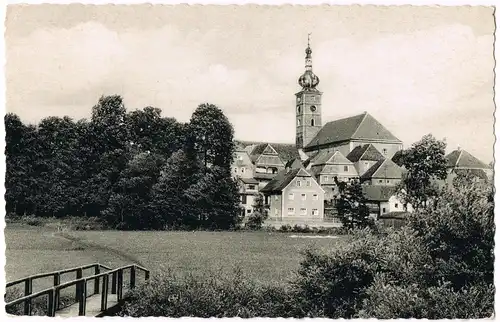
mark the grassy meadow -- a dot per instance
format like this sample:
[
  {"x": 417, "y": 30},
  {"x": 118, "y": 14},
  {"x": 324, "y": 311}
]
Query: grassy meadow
[{"x": 262, "y": 256}]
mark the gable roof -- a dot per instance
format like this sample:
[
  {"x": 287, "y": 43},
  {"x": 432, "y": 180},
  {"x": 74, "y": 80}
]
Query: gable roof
[
  {"x": 362, "y": 126},
  {"x": 378, "y": 193},
  {"x": 285, "y": 151},
  {"x": 366, "y": 152},
  {"x": 248, "y": 180},
  {"x": 283, "y": 178},
  {"x": 463, "y": 159},
  {"x": 294, "y": 163},
  {"x": 383, "y": 169}
]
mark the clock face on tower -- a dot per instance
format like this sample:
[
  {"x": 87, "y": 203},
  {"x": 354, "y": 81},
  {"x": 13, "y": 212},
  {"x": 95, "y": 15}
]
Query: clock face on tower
[{"x": 313, "y": 108}]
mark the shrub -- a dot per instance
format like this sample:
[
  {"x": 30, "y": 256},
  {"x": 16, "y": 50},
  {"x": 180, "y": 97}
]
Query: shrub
[{"x": 207, "y": 296}]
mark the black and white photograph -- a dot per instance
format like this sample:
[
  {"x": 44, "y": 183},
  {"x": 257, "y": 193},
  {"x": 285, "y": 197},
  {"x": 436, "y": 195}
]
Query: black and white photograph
[{"x": 249, "y": 161}]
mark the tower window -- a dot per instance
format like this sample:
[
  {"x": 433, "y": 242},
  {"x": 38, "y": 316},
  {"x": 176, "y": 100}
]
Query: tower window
[
  {"x": 298, "y": 109},
  {"x": 312, "y": 122},
  {"x": 298, "y": 122}
]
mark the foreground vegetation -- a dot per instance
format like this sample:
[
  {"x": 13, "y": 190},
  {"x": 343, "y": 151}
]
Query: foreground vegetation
[{"x": 438, "y": 266}]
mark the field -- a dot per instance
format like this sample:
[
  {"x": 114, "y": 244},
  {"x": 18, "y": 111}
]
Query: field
[{"x": 264, "y": 257}]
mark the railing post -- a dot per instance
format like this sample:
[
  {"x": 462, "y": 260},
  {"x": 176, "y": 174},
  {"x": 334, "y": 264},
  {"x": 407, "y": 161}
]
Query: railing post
[
  {"x": 57, "y": 281},
  {"x": 28, "y": 288},
  {"x": 119, "y": 295},
  {"x": 83, "y": 298},
  {"x": 51, "y": 304},
  {"x": 104, "y": 295},
  {"x": 96, "y": 281},
  {"x": 113, "y": 283},
  {"x": 132, "y": 277},
  {"x": 79, "y": 274}
]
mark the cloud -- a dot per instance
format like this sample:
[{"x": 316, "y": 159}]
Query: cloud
[{"x": 437, "y": 80}]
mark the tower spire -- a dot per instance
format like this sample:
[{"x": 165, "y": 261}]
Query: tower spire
[{"x": 308, "y": 80}]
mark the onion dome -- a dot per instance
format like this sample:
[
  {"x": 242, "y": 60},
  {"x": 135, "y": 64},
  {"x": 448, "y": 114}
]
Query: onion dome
[{"x": 308, "y": 80}]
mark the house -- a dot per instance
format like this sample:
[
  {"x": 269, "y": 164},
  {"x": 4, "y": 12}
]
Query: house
[
  {"x": 248, "y": 190},
  {"x": 242, "y": 166},
  {"x": 294, "y": 195},
  {"x": 460, "y": 161},
  {"x": 328, "y": 167},
  {"x": 364, "y": 157},
  {"x": 383, "y": 200},
  {"x": 383, "y": 172}
]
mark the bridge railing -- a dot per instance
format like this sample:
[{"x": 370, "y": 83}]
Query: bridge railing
[
  {"x": 56, "y": 275},
  {"x": 81, "y": 288}
]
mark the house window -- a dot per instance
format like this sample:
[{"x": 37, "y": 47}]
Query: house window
[
  {"x": 249, "y": 211},
  {"x": 315, "y": 212},
  {"x": 326, "y": 178},
  {"x": 275, "y": 211},
  {"x": 308, "y": 183},
  {"x": 315, "y": 197},
  {"x": 291, "y": 210},
  {"x": 290, "y": 196},
  {"x": 275, "y": 197},
  {"x": 380, "y": 181},
  {"x": 312, "y": 122},
  {"x": 303, "y": 211},
  {"x": 244, "y": 199},
  {"x": 240, "y": 157},
  {"x": 242, "y": 170},
  {"x": 251, "y": 186},
  {"x": 387, "y": 181},
  {"x": 235, "y": 170},
  {"x": 383, "y": 210},
  {"x": 299, "y": 183},
  {"x": 396, "y": 205},
  {"x": 346, "y": 168},
  {"x": 304, "y": 196},
  {"x": 384, "y": 151}
]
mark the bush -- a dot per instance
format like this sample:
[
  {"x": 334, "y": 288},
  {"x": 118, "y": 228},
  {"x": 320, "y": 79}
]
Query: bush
[{"x": 207, "y": 296}]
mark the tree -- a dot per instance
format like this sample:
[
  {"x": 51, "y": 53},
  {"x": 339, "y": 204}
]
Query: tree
[
  {"x": 215, "y": 200},
  {"x": 150, "y": 132},
  {"x": 259, "y": 214},
  {"x": 128, "y": 206},
  {"x": 352, "y": 206},
  {"x": 210, "y": 135},
  {"x": 168, "y": 199},
  {"x": 424, "y": 163}
]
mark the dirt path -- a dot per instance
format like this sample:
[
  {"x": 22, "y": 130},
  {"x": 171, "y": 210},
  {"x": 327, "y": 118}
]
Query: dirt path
[{"x": 94, "y": 246}]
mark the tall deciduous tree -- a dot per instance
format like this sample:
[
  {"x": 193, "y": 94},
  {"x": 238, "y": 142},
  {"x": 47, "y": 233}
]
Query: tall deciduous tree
[
  {"x": 424, "y": 163},
  {"x": 210, "y": 134}
]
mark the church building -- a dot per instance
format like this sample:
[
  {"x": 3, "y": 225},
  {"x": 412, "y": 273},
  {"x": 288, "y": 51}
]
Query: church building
[{"x": 353, "y": 148}]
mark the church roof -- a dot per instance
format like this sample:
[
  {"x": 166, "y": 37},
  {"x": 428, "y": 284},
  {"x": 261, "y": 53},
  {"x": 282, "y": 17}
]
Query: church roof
[
  {"x": 383, "y": 169},
  {"x": 366, "y": 152},
  {"x": 463, "y": 159},
  {"x": 362, "y": 126},
  {"x": 283, "y": 178}
]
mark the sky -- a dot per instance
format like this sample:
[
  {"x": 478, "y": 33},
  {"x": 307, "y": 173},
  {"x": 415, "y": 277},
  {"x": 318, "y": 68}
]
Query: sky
[{"x": 417, "y": 70}]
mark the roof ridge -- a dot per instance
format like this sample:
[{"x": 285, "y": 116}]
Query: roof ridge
[{"x": 359, "y": 125}]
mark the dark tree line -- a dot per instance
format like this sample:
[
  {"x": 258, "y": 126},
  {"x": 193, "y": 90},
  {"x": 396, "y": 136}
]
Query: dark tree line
[{"x": 134, "y": 170}]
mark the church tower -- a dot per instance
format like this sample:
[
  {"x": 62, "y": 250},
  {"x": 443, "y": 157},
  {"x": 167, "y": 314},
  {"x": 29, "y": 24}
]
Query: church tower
[{"x": 307, "y": 105}]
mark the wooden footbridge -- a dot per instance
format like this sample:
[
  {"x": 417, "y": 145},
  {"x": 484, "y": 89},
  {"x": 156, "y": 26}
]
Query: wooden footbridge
[{"x": 104, "y": 298}]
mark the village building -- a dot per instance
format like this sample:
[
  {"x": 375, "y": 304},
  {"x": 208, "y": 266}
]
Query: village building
[
  {"x": 460, "y": 161},
  {"x": 353, "y": 148},
  {"x": 294, "y": 195}
]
